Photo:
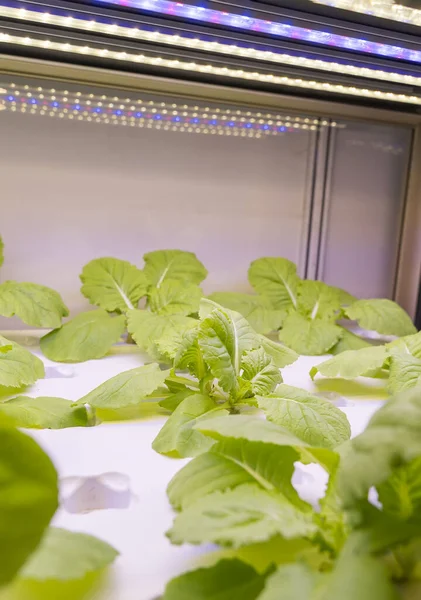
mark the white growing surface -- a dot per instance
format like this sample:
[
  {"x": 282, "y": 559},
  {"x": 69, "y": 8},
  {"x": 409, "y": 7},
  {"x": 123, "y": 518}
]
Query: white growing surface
[{"x": 148, "y": 560}]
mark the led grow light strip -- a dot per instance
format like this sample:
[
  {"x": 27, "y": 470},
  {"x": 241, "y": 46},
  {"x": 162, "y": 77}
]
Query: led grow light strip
[
  {"x": 203, "y": 45},
  {"x": 132, "y": 104},
  {"x": 217, "y": 17},
  {"x": 157, "y": 61},
  {"x": 384, "y": 10},
  {"x": 82, "y": 109}
]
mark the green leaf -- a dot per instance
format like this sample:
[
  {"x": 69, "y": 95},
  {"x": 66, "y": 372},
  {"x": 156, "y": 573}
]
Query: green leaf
[
  {"x": 353, "y": 363},
  {"x": 177, "y": 437},
  {"x": 281, "y": 355},
  {"x": 404, "y": 373},
  {"x": 349, "y": 341},
  {"x": 34, "y": 304},
  {"x": 392, "y": 438},
  {"x": 260, "y": 371},
  {"x": 44, "y": 413},
  {"x": 277, "y": 279},
  {"x": 381, "y": 315},
  {"x": 244, "y": 515},
  {"x": 156, "y": 334},
  {"x": 224, "y": 337},
  {"x": 28, "y": 499},
  {"x": 310, "y": 337},
  {"x": 65, "y": 555},
  {"x": 410, "y": 344},
  {"x": 189, "y": 355},
  {"x": 227, "y": 580},
  {"x": 88, "y": 336},
  {"x": 113, "y": 284},
  {"x": 173, "y": 264},
  {"x": 231, "y": 463},
  {"x": 255, "y": 429},
  {"x": 18, "y": 366},
  {"x": 171, "y": 402},
  {"x": 317, "y": 300},
  {"x": 127, "y": 388},
  {"x": 314, "y": 420},
  {"x": 400, "y": 494},
  {"x": 174, "y": 297},
  {"x": 1, "y": 252},
  {"x": 258, "y": 310},
  {"x": 356, "y": 575}
]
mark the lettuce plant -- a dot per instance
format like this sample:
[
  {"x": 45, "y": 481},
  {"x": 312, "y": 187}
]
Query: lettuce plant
[
  {"x": 168, "y": 286},
  {"x": 308, "y": 314},
  {"x": 398, "y": 361},
  {"x": 30, "y": 549},
  {"x": 239, "y": 495},
  {"x": 36, "y": 305}
]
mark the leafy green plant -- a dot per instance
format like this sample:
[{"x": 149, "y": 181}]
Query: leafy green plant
[
  {"x": 309, "y": 314},
  {"x": 168, "y": 286},
  {"x": 18, "y": 366},
  {"x": 36, "y": 305},
  {"x": 239, "y": 495},
  {"x": 398, "y": 361},
  {"x": 29, "y": 548}
]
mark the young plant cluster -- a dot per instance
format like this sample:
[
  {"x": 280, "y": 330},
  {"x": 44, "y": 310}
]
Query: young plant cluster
[{"x": 220, "y": 380}]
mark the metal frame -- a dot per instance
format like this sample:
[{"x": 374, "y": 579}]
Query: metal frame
[{"x": 408, "y": 271}]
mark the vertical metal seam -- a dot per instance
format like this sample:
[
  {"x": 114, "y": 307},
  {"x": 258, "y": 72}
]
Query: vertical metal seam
[{"x": 312, "y": 201}]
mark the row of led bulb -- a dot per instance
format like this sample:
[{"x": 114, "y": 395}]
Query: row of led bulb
[
  {"x": 209, "y": 69},
  {"x": 274, "y": 28},
  {"x": 166, "y": 120},
  {"x": 383, "y": 9},
  {"x": 204, "y": 45}
]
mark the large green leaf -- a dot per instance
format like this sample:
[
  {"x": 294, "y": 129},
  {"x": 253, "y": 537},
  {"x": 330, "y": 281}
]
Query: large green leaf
[
  {"x": 280, "y": 354},
  {"x": 353, "y": 363},
  {"x": 392, "y": 438},
  {"x": 158, "y": 334},
  {"x": 244, "y": 515},
  {"x": 231, "y": 463},
  {"x": 224, "y": 337},
  {"x": 44, "y": 413},
  {"x": 89, "y": 335},
  {"x": 189, "y": 355},
  {"x": 356, "y": 575},
  {"x": 227, "y": 580},
  {"x": 255, "y": 429},
  {"x": 400, "y": 494},
  {"x": 258, "y": 310},
  {"x": 34, "y": 304},
  {"x": 277, "y": 279},
  {"x": 177, "y": 437},
  {"x": 381, "y": 315},
  {"x": 65, "y": 555},
  {"x": 348, "y": 341},
  {"x": 18, "y": 366},
  {"x": 173, "y": 264},
  {"x": 307, "y": 336},
  {"x": 28, "y": 499},
  {"x": 404, "y": 373},
  {"x": 258, "y": 368},
  {"x": 174, "y": 297},
  {"x": 113, "y": 284},
  {"x": 127, "y": 388},
  {"x": 317, "y": 300},
  {"x": 1, "y": 251},
  {"x": 410, "y": 344},
  {"x": 314, "y": 420}
]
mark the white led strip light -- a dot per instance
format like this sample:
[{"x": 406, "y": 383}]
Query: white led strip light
[
  {"x": 67, "y": 48},
  {"x": 203, "y": 45},
  {"x": 142, "y": 113},
  {"x": 384, "y": 9}
]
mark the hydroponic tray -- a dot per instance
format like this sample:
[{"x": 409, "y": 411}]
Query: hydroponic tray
[{"x": 137, "y": 528}]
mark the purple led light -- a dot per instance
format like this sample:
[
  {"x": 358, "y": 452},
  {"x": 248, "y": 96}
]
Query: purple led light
[{"x": 207, "y": 15}]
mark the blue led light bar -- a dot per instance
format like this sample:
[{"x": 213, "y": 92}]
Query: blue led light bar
[{"x": 243, "y": 22}]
